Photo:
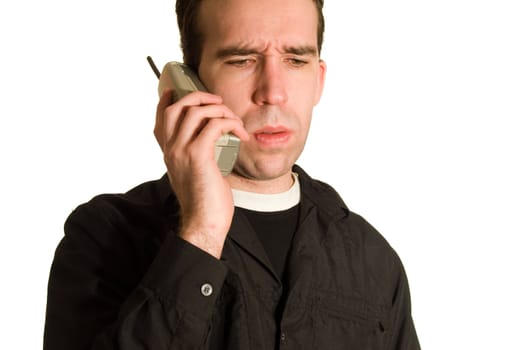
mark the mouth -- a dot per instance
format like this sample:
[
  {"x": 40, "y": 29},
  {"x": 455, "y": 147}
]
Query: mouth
[{"x": 272, "y": 136}]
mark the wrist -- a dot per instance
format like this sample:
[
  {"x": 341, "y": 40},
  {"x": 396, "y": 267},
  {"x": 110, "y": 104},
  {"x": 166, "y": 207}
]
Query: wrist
[{"x": 211, "y": 244}]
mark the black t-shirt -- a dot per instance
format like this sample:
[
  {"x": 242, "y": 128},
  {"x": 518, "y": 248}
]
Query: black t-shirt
[{"x": 275, "y": 231}]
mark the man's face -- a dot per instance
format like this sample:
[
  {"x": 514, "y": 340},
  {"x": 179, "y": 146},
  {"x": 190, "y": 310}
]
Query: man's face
[{"x": 262, "y": 58}]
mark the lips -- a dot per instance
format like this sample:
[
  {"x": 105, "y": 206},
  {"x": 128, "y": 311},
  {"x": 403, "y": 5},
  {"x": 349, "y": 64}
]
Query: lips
[{"x": 272, "y": 136}]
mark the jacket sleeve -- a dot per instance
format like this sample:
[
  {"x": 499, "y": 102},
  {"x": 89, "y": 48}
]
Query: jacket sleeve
[
  {"x": 401, "y": 333},
  {"x": 100, "y": 297}
]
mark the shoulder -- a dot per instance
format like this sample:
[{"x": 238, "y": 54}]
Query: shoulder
[
  {"x": 348, "y": 229},
  {"x": 378, "y": 262},
  {"x": 146, "y": 197},
  {"x": 121, "y": 222}
]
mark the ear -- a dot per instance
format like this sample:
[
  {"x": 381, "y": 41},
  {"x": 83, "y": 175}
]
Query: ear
[{"x": 322, "y": 70}]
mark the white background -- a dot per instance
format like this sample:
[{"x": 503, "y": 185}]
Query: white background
[{"x": 419, "y": 130}]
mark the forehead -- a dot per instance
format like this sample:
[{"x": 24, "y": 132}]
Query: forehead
[{"x": 258, "y": 23}]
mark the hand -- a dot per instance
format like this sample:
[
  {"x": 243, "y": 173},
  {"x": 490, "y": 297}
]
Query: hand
[{"x": 186, "y": 132}]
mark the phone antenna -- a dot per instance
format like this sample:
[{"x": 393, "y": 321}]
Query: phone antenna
[{"x": 153, "y": 66}]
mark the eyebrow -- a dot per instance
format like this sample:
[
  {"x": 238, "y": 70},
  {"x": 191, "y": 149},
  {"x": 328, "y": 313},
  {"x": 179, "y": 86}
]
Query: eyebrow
[{"x": 245, "y": 51}]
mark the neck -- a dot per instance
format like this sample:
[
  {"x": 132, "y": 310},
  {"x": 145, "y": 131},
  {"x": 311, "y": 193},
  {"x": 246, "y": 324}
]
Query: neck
[{"x": 269, "y": 186}]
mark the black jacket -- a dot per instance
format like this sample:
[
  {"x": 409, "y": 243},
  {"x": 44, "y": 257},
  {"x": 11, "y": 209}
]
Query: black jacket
[{"x": 122, "y": 279}]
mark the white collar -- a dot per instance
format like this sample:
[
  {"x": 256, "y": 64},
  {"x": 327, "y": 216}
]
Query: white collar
[{"x": 268, "y": 202}]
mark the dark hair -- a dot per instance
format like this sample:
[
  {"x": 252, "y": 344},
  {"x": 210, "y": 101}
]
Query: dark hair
[{"x": 191, "y": 37}]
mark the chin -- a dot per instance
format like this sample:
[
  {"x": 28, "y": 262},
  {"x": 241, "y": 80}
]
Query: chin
[{"x": 264, "y": 170}]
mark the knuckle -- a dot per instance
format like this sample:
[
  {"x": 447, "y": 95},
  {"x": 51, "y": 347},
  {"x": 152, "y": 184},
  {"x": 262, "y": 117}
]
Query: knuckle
[
  {"x": 172, "y": 110},
  {"x": 171, "y": 156},
  {"x": 192, "y": 153}
]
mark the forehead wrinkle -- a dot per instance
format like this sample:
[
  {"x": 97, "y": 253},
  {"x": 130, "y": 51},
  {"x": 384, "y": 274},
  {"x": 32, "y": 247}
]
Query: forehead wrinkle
[
  {"x": 244, "y": 49},
  {"x": 240, "y": 49}
]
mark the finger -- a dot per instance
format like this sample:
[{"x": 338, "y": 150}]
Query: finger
[
  {"x": 169, "y": 114},
  {"x": 198, "y": 98},
  {"x": 196, "y": 118},
  {"x": 216, "y": 128}
]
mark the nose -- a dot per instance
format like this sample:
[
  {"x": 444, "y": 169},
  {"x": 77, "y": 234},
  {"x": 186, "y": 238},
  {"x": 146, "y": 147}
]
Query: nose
[{"x": 270, "y": 85}]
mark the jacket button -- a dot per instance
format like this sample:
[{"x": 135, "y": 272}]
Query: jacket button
[
  {"x": 282, "y": 337},
  {"x": 206, "y": 289}
]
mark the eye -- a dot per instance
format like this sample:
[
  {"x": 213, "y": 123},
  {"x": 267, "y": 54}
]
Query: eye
[
  {"x": 240, "y": 62},
  {"x": 296, "y": 62}
]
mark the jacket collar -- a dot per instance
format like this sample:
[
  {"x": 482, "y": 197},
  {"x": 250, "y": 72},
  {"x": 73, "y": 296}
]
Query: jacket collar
[
  {"x": 321, "y": 195},
  {"x": 318, "y": 193}
]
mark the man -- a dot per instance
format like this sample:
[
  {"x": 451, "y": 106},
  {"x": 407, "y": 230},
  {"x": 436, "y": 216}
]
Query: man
[{"x": 265, "y": 258}]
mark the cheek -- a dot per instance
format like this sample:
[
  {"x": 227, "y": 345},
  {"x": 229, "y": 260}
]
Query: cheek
[
  {"x": 236, "y": 96},
  {"x": 305, "y": 126},
  {"x": 305, "y": 89}
]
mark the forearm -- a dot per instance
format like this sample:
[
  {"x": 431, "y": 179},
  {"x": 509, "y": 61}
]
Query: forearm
[{"x": 91, "y": 307}]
